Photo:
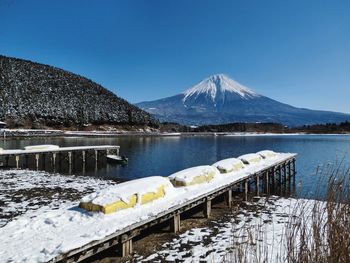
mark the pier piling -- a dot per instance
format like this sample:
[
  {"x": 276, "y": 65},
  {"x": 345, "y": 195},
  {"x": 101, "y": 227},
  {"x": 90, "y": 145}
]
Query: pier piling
[
  {"x": 207, "y": 208},
  {"x": 175, "y": 223},
  {"x": 229, "y": 198},
  {"x": 126, "y": 248},
  {"x": 267, "y": 182}
]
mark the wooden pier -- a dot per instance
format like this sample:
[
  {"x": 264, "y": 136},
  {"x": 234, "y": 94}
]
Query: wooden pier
[
  {"x": 68, "y": 154},
  {"x": 270, "y": 179}
]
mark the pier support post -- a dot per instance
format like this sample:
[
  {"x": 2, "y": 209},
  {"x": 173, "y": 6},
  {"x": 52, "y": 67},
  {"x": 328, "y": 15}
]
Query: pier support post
[
  {"x": 267, "y": 182},
  {"x": 17, "y": 161},
  {"x": 229, "y": 198},
  {"x": 26, "y": 160},
  {"x": 207, "y": 208},
  {"x": 285, "y": 177},
  {"x": 126, "y": 248},
  {"x": 175, "y": 223},
  {"x": 289, "y": 166},
  {"x": 280, "y": 175},
  {"x": 246, "y": 190},
  {"x": 280, "y": 179},
  {"x": 294, "y": 171},
  {"x": 257, "y": 185},
  {"x": 70, "y": 158},
  {"x": 54, "y": 160},
  {"x": 96, "y": 156},
  {"x": 37, "y": 156},
  {"x": 289, "y": 170},
  {"x": 7, "y": 158},
  {"x": 83, "y": 156}
]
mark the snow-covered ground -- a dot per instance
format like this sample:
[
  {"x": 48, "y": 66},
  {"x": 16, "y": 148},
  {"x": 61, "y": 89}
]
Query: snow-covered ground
[
  {"x": 45, "y": 233},
  {"x": 258, "y": 228},
  {"x": 22, "y": 192}
]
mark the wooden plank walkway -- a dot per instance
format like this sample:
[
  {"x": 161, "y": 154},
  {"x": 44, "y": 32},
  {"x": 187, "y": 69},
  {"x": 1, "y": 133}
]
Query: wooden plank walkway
[
  {"x": 279, "y": 174},
  {"x": 63, "y": 152}
]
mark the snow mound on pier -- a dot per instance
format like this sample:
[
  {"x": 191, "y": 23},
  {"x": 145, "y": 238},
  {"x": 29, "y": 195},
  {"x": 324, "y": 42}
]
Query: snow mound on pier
[
  {"x": 42, "y": 147},
  {"x": 250, "y": 158},
  {"x": 194, "y": 175},
  {"x": 123, "y": 191},
  {"x": 229, "y": 165},
  {"x": 267, "y": 154}
]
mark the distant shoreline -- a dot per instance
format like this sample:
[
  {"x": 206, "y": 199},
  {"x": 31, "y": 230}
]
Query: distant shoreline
[{"x": 32, "y": 133}]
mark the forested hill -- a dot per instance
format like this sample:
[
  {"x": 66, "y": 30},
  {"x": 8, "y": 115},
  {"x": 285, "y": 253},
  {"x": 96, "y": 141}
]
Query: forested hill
[{"x": 33, "y": 94}]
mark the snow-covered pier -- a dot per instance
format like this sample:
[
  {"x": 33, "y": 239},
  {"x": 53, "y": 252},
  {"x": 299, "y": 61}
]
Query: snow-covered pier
[
  {"x": 95, "y": 232},
  {"x": 55, "y": 153}
]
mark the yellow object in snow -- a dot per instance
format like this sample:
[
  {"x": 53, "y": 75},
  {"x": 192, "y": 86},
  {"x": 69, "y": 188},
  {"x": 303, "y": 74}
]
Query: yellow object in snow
[
  {"x": 200, "y": 179},
  {"x": 109, "y": 208},
  {"x": 250, "y": 158},
  {"x": 267, "y": 154},
  {"x": 120, "y": 204},
  {"x": 150, "y": 196},
  {"x": 194, "y": 175},
  {"x": 235, "y": 167},
  {"x": 229, "y": 165},
  {"x": 238, "y": 166}
]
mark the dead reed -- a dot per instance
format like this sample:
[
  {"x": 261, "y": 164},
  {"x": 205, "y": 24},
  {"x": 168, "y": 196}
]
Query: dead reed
[{"x": 314, "y": 231}]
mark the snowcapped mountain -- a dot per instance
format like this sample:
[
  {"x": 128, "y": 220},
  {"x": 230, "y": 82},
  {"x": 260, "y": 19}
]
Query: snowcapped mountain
[
  {"x": 215, "y": 92},
  {"x": 219, "y": 99},
  {"x": 216, "y": 87}
]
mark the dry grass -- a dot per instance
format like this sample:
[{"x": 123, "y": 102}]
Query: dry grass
[{"x": 315, "y": 231}]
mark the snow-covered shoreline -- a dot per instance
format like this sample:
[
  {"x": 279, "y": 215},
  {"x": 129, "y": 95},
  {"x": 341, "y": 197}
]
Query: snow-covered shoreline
[
  {"x": 25, "y": 191},
  {"x": 53, "y": 232},
  {"x": 258, "y": 227},
  {"x": 30, "y": 133}
]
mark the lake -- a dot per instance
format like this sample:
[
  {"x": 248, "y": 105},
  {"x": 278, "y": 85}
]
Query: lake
[{"x": 165, "y": 155}]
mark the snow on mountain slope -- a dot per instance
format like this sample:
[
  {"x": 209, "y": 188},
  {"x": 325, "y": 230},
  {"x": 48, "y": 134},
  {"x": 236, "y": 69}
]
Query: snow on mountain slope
[
  {"x": 219, "y": 84},
  {"x": 219, "y": 99}
]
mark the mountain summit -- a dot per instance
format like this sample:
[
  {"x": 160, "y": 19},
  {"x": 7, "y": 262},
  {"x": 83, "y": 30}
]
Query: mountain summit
[
  {"x": 217, "y": 87},
  {"x": 219, "y": 99},
  {"x": 214, "y": 92}
]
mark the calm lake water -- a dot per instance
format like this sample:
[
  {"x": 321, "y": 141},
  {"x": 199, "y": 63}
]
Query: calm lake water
[{"x": 164, "y": 155}]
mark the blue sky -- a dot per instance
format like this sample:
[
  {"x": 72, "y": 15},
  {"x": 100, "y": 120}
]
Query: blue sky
[{"x": 297, "y": 52}]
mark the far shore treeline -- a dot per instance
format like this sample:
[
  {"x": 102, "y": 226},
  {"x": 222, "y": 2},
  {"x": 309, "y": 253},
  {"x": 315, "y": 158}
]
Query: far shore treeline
[
  {"x": 161, "y": 127},
  {"x": 328, "y": 128}
]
